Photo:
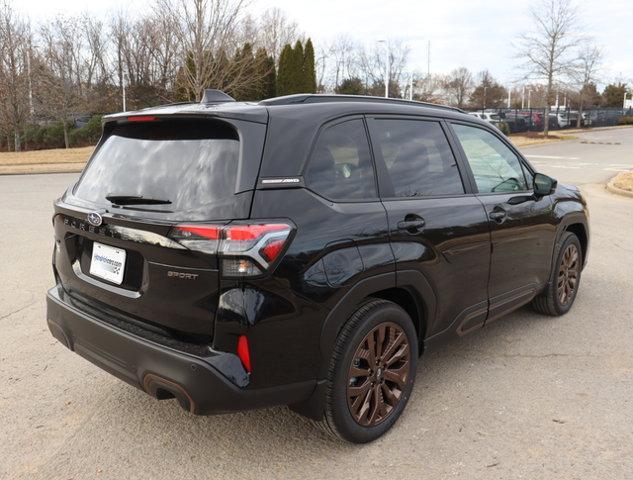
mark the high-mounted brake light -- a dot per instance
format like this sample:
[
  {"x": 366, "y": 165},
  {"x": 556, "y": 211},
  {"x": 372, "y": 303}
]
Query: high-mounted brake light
[
  {"x": 142, "y": 118},
  {"x": 246, "y": 249}
]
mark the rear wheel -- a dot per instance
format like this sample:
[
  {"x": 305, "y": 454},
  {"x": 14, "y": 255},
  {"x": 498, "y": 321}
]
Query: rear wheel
[
  {"x": 561, "y": 292},
  {"x": 371, "y": 373}
]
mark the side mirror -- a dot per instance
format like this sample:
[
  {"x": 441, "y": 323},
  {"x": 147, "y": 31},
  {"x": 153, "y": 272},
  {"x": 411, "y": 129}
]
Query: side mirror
[{"x": 544, "y": 185}]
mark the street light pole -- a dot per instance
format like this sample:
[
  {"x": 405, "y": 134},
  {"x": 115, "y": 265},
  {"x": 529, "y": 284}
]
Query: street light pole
[
  {"x": 530, "y": 98},
  {"x": 388, "y": 72}
]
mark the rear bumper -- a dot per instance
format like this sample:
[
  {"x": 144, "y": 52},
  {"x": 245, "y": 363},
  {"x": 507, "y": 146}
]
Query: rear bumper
[{"x": 203, "y": 385}]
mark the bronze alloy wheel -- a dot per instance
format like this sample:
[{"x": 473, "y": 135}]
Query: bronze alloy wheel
[
  {"x": 378, "y": 374},
  {"x": 568, "y": 274}
]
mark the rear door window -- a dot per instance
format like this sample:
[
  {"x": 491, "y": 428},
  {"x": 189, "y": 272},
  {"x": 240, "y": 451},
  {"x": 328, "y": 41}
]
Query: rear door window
[
  {"x": 418, "y": 158},
  {"x": 340, "y": 167},
  {"x": 188, "y": 163}
]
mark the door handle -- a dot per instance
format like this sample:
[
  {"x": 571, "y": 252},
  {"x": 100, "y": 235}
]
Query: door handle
[
  {"x": 411, "y": 226},
  {"x": 498, "y": 215}
]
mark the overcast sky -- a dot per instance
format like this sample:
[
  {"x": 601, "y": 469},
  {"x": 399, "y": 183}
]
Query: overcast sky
[{"x": 475, "y": 34}]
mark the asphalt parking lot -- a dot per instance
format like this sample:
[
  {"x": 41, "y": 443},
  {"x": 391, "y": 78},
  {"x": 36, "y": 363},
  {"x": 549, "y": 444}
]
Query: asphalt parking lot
[{"x": 528, "y": 397}]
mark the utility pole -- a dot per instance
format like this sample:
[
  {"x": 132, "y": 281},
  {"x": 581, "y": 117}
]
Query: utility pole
[
  {"x": 523, "y": 97},
  {"x": 509, "y": 98},
  {"x": 411, "y": 87},
  {"x": 483, "y": 109},
  {"x": 123, "y": 77},
  {"x": 428, "y": 59}
]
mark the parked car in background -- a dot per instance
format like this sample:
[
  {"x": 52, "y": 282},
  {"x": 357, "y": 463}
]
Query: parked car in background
[
  {"x": 493, "y": 118},
  {"x": 490, "y": 117},
  {"x": 516, "y": 122}
]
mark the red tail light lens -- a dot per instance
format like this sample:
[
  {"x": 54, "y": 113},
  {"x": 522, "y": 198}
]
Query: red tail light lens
[
  {"x": 272, "y": 249},
  {"x": 210, "y": 232},
  {"x": 246, "y": 250},
  {"x": 244, "y": 352}
]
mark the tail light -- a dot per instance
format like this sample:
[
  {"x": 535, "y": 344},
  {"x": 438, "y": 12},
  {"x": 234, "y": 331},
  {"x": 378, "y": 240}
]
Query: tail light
[
  {"x": 244, "y": 353},
  {"x": 245, "y": 250}
]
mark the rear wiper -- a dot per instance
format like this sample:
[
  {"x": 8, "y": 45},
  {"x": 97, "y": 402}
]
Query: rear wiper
[{"x": 135, "y": 200}]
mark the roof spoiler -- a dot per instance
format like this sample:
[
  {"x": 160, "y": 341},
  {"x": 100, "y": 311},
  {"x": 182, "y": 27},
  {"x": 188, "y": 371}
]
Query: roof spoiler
[{"x": 215, "y": 96}]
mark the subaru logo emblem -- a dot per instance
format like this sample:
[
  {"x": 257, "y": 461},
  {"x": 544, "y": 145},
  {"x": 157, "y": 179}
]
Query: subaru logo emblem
[{"x": 94, "y": 219}]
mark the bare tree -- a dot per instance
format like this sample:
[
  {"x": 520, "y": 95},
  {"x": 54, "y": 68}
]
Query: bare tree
[
  {"x": 206, "y": 30},
  {"x": 587, "y": 66},
  {"x": 95, "y": 69},
  {"x": 275, "y": 31},
  {"x": 430, "y": 88},
  {"x": 548, "y": 49},
  {"x": 60, "y": 71},
  {"x": 458, "y": 85},
  {"x": 373, "y": 64},
  {"x": 14, "y": 74},
  {"x": 343, "y": 56}
]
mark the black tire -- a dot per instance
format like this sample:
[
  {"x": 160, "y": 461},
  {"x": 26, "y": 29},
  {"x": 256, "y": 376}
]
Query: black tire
[
  {"x": 549, "y": 302},
  {"x": 370, "y": 320}
]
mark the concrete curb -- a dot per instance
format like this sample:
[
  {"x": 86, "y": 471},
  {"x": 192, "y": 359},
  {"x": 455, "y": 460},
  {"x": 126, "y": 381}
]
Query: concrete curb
[{"x": 610, "y": 186}]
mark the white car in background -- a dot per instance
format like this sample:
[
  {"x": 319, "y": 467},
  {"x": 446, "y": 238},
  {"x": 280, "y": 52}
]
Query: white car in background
[{"x": 493, "y": 118}]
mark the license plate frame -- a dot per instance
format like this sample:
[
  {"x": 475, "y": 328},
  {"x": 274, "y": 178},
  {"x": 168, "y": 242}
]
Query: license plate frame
[{"x": 108, "y": 262}]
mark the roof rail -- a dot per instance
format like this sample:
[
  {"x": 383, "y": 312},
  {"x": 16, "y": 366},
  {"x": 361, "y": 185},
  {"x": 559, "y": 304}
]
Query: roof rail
[{"x": 325, "y": 98}]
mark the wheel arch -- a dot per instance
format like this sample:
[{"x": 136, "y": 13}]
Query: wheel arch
[
  {"x": 414, "y": 294},
  {"x": 576, "y": 223},
  {"x": 580, "y": 231}
]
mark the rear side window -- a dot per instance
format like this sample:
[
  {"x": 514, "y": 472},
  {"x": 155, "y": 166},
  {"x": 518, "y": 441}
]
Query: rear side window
[
  {"x": 340, "y": 167},
  {"x": 418, "y": 158},
  {"x": 188, "y": 163}
]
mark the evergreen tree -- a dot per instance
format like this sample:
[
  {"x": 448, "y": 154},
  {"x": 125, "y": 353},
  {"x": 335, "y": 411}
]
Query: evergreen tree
[
  {"x": 284, "y": 76},
  {"x": 613, "y": 95},
  {"x": 244, "y": 62},
  {"x": 265, "y": 66},
  {"x": 351, "y": 86},
  {"x": 309, "y": 72},
  {"x": 297, "y": 82},
  {"x": 269, "y": 89}
]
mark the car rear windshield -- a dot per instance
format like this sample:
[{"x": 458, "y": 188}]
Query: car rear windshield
[{"x": 185, "y": 163}]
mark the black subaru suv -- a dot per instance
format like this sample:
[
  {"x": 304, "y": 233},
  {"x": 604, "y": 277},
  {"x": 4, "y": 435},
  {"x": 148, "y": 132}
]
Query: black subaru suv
[{"x": 302, "y": 251}]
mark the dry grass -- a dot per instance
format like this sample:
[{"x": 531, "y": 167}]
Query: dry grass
[
  {"x": 624, "y": 181},
  {"x": 45, "y": 161},
  {"x": 534, "y": 138}
]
